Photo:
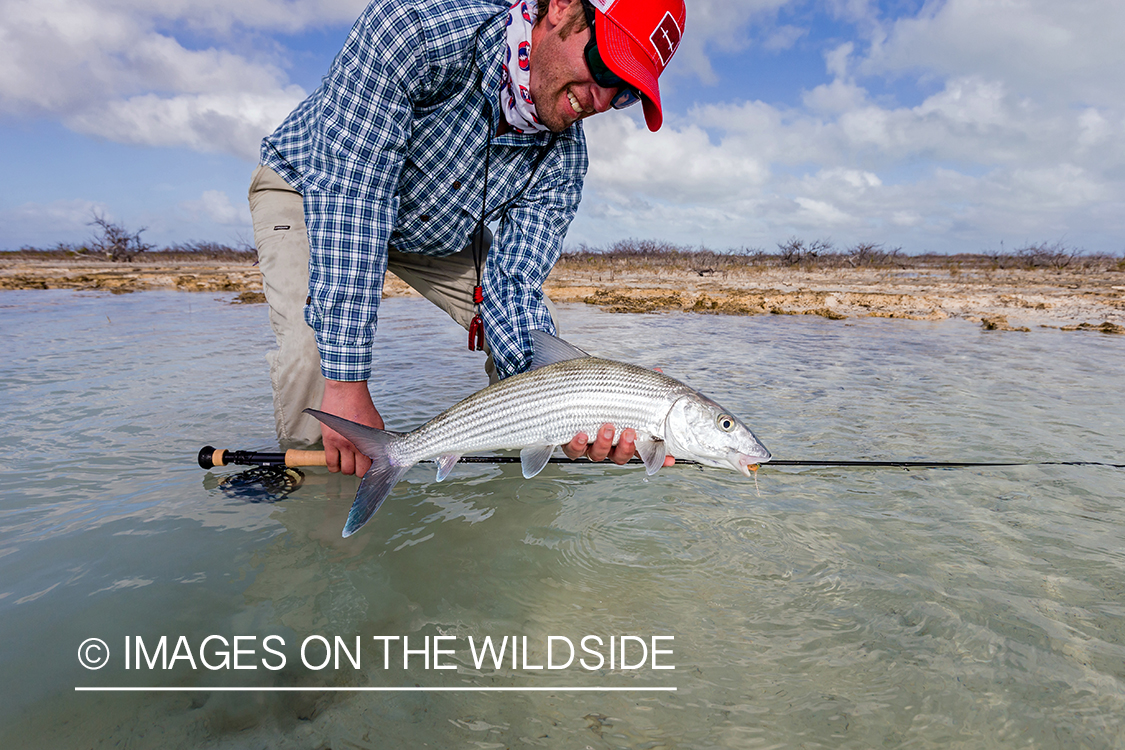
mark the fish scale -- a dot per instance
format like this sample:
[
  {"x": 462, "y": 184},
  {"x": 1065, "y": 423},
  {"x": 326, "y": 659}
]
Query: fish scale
[
  {"x": 566, "y": 392},
  {"x": 549, "y": 405}
]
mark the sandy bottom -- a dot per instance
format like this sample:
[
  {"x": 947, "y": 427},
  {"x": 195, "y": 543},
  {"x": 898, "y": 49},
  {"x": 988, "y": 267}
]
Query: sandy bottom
[{"x": 1012, "y": 300}]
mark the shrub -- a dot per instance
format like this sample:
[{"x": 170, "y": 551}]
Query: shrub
[{"x": 115, "y": 242}]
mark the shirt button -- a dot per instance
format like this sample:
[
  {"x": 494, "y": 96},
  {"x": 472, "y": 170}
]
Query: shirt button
[
  {"x": 424, "y": 217},
  {"x": 456, "y": 184}
]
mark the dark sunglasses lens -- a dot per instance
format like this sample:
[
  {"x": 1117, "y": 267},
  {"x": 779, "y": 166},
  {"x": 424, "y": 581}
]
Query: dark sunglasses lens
[
  {"x": 626, "y": 98},
  {"x": 603, "y": 76},
  {"x": 626, "y": 95}
]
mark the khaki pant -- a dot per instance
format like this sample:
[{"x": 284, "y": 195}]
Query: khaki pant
[{"x": 283, "y": 254}]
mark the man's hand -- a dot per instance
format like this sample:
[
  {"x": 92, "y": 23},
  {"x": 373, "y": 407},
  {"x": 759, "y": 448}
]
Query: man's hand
[
  {"x": 603, "y": 447},
  {"x": 350, "y": 401}
]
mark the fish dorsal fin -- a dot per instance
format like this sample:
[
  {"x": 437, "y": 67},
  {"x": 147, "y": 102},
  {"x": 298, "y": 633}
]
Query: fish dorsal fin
[
  {"x": 534, "y": 458},
  {"x": 551, "y": 349}
]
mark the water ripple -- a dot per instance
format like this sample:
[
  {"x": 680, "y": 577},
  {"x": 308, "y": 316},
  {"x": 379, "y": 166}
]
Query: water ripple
[{"x": 822, "y": 608}]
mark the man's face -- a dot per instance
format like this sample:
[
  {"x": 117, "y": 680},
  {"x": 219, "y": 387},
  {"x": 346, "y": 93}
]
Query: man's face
[{"x": 561, "y": 85}]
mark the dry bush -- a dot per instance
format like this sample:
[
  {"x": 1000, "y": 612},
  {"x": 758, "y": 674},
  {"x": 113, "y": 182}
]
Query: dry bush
[
  {"x": 118, "y": 244},
  {"x": 653, "y": 255},
  {"x": 794, "y": 252},
  {"x": 872, "y": 255},
  {"x": 196, "y": 250},
  {"x": 114, "y": 241},
  {"x": 1055, "y": 255},
  {"x": 657, "y": 255}
]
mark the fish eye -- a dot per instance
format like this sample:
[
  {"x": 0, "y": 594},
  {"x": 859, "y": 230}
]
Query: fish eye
[{"x": 725, "y": 422}]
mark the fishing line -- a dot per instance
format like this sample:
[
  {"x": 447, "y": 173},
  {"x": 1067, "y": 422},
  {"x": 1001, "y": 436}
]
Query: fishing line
[
  {"x": 210, "y": 457},
  {"x": 274, "y": 475}
]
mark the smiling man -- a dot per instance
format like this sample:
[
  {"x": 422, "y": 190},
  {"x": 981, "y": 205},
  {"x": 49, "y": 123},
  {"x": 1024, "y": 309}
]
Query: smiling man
[{"x": 436, "y": 118}]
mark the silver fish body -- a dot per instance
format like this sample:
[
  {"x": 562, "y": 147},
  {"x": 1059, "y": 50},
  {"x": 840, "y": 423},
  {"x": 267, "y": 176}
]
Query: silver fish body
[
  {"x": 549, "y": 406},
  {"x": 565, "y": 393}
]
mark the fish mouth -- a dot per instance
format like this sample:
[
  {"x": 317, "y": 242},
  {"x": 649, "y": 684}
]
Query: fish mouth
[{"x": 747, "y": 462}]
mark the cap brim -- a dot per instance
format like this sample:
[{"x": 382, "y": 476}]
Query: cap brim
[{"x": 631, "y": 61}]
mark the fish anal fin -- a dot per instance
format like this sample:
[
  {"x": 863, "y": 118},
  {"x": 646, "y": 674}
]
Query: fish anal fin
[
  {"x": 446, "y": 464},
  {"x": 550, "y": 349},
  {"x": 652, "y": 451},
  {"x": 534, "y": 457}
]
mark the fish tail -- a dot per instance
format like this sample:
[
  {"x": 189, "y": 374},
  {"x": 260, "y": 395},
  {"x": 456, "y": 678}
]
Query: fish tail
[{"x": 380, "y": 478}]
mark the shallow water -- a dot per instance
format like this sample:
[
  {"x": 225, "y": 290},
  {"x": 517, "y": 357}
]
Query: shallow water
[{"x": 826, "y": 608}]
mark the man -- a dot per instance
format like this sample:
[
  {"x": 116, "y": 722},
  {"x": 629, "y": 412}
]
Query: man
[{"x": 435, "y": 117}]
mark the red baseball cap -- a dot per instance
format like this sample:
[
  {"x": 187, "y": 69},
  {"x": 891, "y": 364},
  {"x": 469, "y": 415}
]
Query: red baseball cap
[{"x": 636, "y": 39}]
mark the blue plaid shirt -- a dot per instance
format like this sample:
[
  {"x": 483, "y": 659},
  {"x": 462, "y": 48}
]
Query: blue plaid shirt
[{"x": 389, "y": 153}]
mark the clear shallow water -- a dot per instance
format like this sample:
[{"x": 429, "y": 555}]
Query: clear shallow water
[{"x": 829, "y": 608}]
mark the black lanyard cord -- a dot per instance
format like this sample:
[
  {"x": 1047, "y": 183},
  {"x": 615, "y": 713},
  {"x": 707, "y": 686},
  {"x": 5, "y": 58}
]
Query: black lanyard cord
[
  {"x": 476, "y": 326},
  {"x": 478, "y": 235}
]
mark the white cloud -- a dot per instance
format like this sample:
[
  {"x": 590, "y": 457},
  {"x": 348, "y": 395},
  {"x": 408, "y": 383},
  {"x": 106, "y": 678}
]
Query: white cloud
[
  {"x": 216, "y": 207},
  {"x": 724, "y": 25},
  {"x": 972, "y": 160},
  {"x": 1057, "y": 51},
  {"x": 1020, "y": 133},
  {"x": 272, "y": 15},
  {"x": 670, "y": 164},
  {"x": 69, "y": 221},
  {"x": 232, "y": 123},
  {"x": 107, "y": 68},
  {"x": 836, "y": 97},
  {"x": 838, "y": 60},
  {"x": 783, "y": 37}
]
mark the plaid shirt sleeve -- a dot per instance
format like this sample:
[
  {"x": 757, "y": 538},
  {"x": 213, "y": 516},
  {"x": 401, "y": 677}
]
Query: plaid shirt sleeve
[
  {"x": 527, "y": 246},
  {"x": 350, "y": 186},
  {"x": 374, "y": 172}
]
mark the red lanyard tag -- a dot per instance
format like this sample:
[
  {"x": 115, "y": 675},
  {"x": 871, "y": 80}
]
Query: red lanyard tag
[
  {"x": 476, "y": 334},
  {"x": 476, "y": 327}
]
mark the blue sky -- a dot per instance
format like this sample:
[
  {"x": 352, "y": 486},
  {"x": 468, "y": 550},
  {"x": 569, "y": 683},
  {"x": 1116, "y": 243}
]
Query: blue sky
[{"x": 945, "y": 126}]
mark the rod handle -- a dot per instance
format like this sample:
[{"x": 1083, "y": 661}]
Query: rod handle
[
  {"x": 294, "y": 457},
  {"x": 210, "y": 457}
]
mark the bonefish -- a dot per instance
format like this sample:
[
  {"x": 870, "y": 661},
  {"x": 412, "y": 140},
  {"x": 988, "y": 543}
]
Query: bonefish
[{"x": 566, "y": 391}]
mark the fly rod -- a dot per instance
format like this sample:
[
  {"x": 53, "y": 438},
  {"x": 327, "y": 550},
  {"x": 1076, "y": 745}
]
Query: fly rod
[{"x": 210, "y": 457}]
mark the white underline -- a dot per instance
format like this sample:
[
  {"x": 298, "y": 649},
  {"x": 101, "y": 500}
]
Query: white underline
[{"x": 287, "y": 689}]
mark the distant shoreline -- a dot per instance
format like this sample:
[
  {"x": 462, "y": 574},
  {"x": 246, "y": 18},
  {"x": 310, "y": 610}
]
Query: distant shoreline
[{"x": 1000, "y": 298}]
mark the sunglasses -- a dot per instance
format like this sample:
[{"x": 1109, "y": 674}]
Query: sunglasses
[{"x": 627, "y": 95}]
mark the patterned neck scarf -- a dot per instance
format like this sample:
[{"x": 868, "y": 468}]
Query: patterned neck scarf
[{"x": 515, "y": 91}]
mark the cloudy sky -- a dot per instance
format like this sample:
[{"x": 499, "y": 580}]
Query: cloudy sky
[{"x": 946, "y": 125}]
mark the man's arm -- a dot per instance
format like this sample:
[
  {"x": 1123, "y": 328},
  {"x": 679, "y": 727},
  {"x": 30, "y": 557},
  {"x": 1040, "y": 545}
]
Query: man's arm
[
  {"x": 528, "y": 245},
  {"x": 350, "y": 400},
  {"x": 363, "y": 123}
]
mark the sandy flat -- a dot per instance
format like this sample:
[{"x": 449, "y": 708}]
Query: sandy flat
[{"x": 1000, "y": 299}]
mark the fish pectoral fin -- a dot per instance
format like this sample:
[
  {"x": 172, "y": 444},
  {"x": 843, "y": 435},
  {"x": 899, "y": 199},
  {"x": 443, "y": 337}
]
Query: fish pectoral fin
[
  {"x": 534, "y": 457},
  {"x": 445, "y": 464},
  {"x": 652, "y": 452}
]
